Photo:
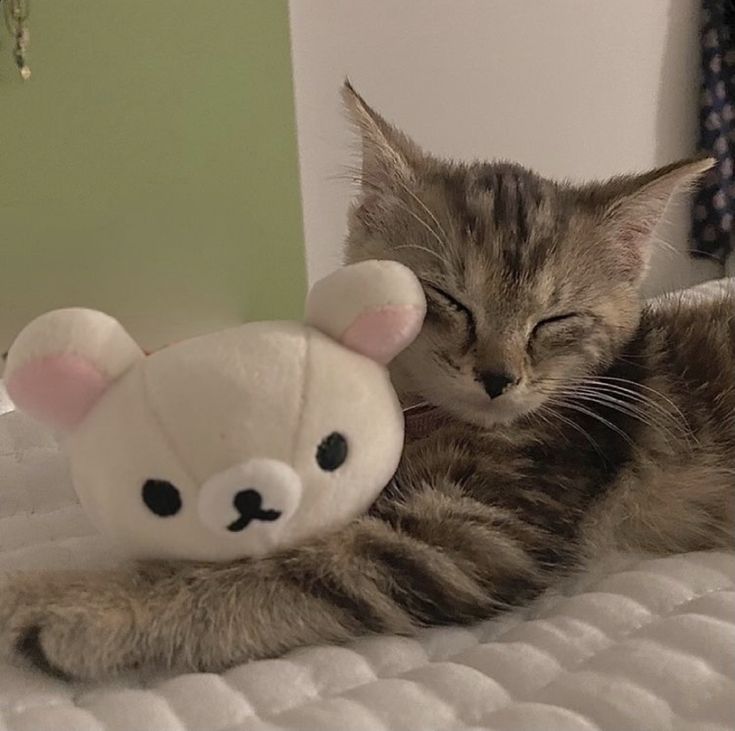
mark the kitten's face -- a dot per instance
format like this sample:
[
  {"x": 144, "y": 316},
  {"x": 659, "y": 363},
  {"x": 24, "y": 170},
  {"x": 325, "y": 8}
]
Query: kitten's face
[{"x": 531, "y": 284}]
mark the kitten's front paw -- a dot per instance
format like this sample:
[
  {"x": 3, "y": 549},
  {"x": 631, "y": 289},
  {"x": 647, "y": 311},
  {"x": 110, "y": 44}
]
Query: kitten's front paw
[
  {"x": 74, "y": 645},
  {"x": 30, "y": 647},
  {"x": 67, "y": 628}
]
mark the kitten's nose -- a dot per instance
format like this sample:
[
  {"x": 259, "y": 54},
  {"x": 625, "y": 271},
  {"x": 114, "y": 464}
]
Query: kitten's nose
[{"x": 495, "y": 384}]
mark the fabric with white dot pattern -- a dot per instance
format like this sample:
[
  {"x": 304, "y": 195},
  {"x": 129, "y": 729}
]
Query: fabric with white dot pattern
[{"x": 714, "y": 206}]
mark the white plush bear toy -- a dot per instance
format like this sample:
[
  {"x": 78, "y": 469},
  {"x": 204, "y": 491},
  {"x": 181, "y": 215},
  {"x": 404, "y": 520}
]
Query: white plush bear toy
[{"x": 234, "y": 443}]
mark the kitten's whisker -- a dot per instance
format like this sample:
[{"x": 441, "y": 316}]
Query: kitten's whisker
[
  {"x": 631, "y": 407},
  {"x": 540, "y": 413},
  {"x": 706, "y": 255},
  {"x": 654, "y": 391},
  {"x": 623, "y": 408},
  {"x": 643, "y": 386},
  {"x": 613, "y": 382},
  {"x": 666, "y": 245},
  {"x": 659, "y": 416},
  {"x": 423, "y": 223},
  {"x": 355, "y": 175},
  {"x": 613, "y": 390},
  {"x": 569, "y": 404},
  {"x": 419, "y": 405},
  {"x": 361, "y": 178},
  {"x": 571, "y": 423},
  {"x": 428, "y": 211},
  {"x": 421, "y": 248}
]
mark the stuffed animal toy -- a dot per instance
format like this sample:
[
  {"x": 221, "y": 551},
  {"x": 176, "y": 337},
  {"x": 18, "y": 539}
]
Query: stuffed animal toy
[{"x": 233, "y": 443}]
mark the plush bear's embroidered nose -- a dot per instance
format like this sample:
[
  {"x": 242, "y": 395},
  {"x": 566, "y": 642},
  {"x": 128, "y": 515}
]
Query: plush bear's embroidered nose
[
  {"x": 249, "y": 504},
  {"x": 250, "y": 499}
]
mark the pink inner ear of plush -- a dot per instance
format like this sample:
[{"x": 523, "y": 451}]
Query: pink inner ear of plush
[
  {"x": 383, "y": 333},
  {"x": 57, "y": 389}
]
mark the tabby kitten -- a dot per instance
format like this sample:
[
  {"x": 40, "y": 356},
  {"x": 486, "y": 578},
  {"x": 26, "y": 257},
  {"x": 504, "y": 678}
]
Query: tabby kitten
[{"x": 564, "y": 418}]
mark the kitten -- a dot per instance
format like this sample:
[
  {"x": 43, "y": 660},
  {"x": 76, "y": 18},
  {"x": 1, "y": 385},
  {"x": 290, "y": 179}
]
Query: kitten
[{"x": 568, "y": 418}]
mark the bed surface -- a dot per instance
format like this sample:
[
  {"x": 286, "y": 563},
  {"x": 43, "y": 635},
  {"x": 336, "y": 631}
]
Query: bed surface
[{"x": 634, "y": 643}]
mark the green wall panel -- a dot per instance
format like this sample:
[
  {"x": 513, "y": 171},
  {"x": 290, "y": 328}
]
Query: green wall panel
[{"x": 149, "y": 167}]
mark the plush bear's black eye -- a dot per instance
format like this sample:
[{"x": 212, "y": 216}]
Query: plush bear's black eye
[
  {"x": 161, "y": 498},
  {"x": 332, "y": 452}
]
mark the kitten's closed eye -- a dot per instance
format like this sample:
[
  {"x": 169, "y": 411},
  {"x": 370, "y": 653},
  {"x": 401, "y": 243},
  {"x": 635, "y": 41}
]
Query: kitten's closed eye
[
  {"x": 559, "y": 327},
  {"x": 556, "y": 320},
  {"x": 450, "y": 304},
  {"x": 446, "y": 299}
]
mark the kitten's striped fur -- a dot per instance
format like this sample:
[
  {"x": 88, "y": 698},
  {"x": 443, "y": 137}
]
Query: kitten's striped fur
[{"x": 619, "y": 431}]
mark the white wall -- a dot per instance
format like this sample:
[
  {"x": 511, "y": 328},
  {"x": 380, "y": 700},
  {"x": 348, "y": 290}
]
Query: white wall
[{"x": 573, "y": 88}]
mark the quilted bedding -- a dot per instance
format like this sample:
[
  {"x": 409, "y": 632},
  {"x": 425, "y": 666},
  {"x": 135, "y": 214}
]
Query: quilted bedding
[{"x": 633, "y": 643}]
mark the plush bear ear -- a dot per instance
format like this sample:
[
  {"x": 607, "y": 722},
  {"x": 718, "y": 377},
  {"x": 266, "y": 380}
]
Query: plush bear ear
[
  {"x": 375, "y": 308},
  {"x": 63, "y": 361}
]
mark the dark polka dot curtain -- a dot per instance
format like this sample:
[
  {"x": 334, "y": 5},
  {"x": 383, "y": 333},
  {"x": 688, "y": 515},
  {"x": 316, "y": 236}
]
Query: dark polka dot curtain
[{"x": 714, "y": 206}]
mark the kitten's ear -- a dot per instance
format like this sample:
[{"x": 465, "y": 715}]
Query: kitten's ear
[
  {"x": 634, "y": 205},
  {"x": 387, "y": 153}
]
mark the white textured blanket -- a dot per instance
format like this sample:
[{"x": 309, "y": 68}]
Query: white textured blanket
[{"x": 634, "y": 644}]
